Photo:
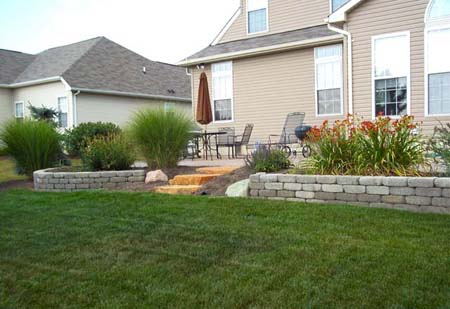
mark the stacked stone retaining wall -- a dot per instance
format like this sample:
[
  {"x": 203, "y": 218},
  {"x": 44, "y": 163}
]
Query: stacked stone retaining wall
[
  {"x": 425, "y": 194},
  {"x": 52, "y": 180}
]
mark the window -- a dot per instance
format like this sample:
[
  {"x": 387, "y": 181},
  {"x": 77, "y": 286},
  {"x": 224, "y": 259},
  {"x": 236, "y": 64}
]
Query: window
[
  {"x": 390, "y": 56},
  {"x": 169, "y": 106},
  {"x": 257, "y": 16},
  {"x": 437, "y": 49},
  {"x": 328, "y": 63},
  {"x": 222, "y": 76},
  {"x": 337, "y": 4},
  {"x": 19, "y": 110},
  {"x": 62, "y": 112}
]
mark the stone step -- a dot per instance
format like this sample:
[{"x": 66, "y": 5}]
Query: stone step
[
  {"x": 177, "y": 190},
  {"x": 192, "y": 180},
  {"x": 218, "y": 170}
]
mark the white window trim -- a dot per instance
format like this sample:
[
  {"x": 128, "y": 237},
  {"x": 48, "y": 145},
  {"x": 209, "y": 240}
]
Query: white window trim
[
  {"x": 426, "y": 99},
  {"x": 58, "y": 110},
  {"x": 232, "y": 97},
  {"x": 316, "y": 80},
  {"x": 267, "y": 19},
  {"x": 408, "y": 75},
  {"x": 23, "y": 109}
]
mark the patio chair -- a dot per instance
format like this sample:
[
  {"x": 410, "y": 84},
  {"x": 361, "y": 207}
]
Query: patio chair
[
  {"x": 287, "y": 136},
  {"x": 242, "y": 140},
  {"x": 225, "y": 140}
]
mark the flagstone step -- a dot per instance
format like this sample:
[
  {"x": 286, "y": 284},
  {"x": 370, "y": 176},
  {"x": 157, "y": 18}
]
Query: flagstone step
[
  {"x": 178, "y": 190},
  {"x": 218, "y": 170},
  {"x": 194, "y": 179}
]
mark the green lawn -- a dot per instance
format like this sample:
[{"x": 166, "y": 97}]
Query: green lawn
[
  {"x": 142, "y": 250},
  {"x": 8, "y": 171}
]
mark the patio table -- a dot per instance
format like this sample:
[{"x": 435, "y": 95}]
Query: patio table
[{"x": 206, "y": 141}]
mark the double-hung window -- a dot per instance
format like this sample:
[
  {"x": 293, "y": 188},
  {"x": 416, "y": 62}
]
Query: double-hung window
[
  {"x": 62, "y": 112},
  {"x": 19, "y": 109},
  {"x": 257, "y": 16},
  {"x": 222, "y": 78},
  {"x": 391, "y": 65},
  {"x": 437, "y": 54},
  {"x": 328, "y": 63}
]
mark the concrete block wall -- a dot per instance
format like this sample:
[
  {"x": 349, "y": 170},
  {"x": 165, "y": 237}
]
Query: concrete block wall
[
  {"x": 51, "y": 180},
  {"x": 424, "y": 194}
]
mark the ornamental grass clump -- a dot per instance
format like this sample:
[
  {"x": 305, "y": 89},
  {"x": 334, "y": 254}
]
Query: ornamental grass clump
[
  {"x": 33, "y": 145},
  {"x": 440, "y": 145},
  {"x": 264, "y": 160},
  {"x": 360, "y": 147},
  {"x": 161, "y": 136},
  {"x": 108, "y": 153}
]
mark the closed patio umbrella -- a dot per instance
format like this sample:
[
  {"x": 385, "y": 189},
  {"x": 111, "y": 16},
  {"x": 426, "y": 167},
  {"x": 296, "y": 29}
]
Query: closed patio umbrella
[{"x": 204, "y": 113}]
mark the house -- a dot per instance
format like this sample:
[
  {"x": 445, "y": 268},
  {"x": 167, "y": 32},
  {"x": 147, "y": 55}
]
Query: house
[
  {"x": 93, "y": 80},
  {"x": 328, "y": 58}
]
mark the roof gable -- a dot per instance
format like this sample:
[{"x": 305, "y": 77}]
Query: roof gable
[{"x": 13, "y": 63}]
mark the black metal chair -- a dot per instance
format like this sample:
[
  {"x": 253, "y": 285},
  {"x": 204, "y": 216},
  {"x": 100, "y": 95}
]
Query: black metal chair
[
  {"x": 242, "y": 140},
  {"x": 225, "y": 140},
  {"x": 287, "y": 137}
]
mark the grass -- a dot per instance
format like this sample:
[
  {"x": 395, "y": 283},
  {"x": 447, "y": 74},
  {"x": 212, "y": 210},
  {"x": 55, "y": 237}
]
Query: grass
[
  {"x": 8, "y": 170},
  {"x": 144, "y": 250}
]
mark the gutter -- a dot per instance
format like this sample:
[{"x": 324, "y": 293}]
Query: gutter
[
  {"x": 349, "y": 64},
  {"x": 131, "y": 94},
  {"x": 33, "y": 82},
  {"x": 263, "y": 50}
]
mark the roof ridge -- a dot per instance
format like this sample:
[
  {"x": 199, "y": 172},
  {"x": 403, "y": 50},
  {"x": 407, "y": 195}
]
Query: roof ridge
[
  {"x": 66, "y": 45},
  {"x": 84, "y": 54},
  {"x": 16, "y": 51}
]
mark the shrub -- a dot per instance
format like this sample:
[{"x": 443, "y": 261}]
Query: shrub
[
  {"x": 108, "y": 153},
  {"x": 34, "y": 145},
  {"x": 76, "y": 139},
  {"x": 440, "y": 144},
  {"x": 43, "y": 114},
  {"x": 265, "y": 160},
  {"x": 380, "y": 147},
  {"x": 161, "y": 136}
]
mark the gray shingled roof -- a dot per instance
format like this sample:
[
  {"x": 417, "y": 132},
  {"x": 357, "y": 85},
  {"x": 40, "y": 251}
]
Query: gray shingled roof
[
  {"x": 97, "y": 64},
  {"x": 264, "y": 41},
  {"x": 12, "y": 63}
]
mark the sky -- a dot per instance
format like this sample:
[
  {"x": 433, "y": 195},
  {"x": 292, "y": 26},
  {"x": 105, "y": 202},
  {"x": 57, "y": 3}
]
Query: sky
[{"x": 160, "y": 30}]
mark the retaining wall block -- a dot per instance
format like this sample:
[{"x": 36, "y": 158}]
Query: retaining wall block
[
  {"x": 402, "y": 191},
  {"x": 88, "y": 180},
  {"x": 308, "y": 179},
  {"x": 332, "y": 188},
  {"x": 292, "y": 186},
  {"x": 446, "y": 192},
  {"x": 369, "y": 198},
  {"x": 274, "y": 186},
  {"x": 118, "y": 179},
  {"x": 442, "y": 182},
  {"x": 254, "y": 192},
  {"x": 393, "y": 199},
  {"x": 286, "y": 194},
  {"x": 432, "y": 192},
  {"x": 395, "y": 181},
  {"x": 354, "y": 189},
  {"x": 256, "y": 185},
  {"x": 326, "y": 196},
  {"x": 348, "y": 180},
  {"x": 268, "y": 193},
  {"x": 371, "y": 180},
  {"x": 268, "y": 178},
  {"x": 304, "y": 195},
  {"x": 287, "y": 178},
  {"x": 379, "y": 190},
  {"x": 311, "y": 187},
  {"x": 441, "y": 201},
  {"x": 418, "y": 200},
  {"x": 326, "y": 179},
  {"x": 348, "y": 197},
  {"x": 254, "y": 178},
  {"x": 421, "y": 182}
]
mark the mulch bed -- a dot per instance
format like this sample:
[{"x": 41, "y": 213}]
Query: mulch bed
[{"x": 219, "y": 185}]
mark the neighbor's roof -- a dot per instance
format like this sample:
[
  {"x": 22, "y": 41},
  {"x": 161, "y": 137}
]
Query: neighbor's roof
[
  {"x": 262, "y": 43},
  {"x": 104, "y": 66}
]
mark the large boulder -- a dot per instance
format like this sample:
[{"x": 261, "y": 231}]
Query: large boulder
[
  {"x": 238, "y": 189},
  {"x": 156, "y": 176}
]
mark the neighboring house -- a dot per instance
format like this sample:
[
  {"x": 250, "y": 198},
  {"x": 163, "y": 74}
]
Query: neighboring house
[
  {"x": 93, "y": 80},
  {"x": 328, "y": 58}
]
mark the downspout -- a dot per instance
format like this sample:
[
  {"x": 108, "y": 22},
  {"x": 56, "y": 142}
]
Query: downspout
[
  {"x": 349, "y": 63},
  {"x": 188, "y": 73},
  {"x": 74, "y": 102}
]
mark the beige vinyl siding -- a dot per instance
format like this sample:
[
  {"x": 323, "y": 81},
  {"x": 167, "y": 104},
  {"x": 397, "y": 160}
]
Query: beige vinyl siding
[
  {"x": 117, "y": 109},
  {"x": 6, "y": 106},
  {"x": 266, "y": 89},
  {"x": 284, "y": 15},
  {"x": 376, "y": 17},
  {"x": 43, "y": 95}
]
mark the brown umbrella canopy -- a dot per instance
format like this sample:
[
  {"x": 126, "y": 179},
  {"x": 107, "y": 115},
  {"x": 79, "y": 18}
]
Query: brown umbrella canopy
[{"x": 204, "y": 113}]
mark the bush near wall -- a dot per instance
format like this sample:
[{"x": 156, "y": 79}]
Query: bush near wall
[
  {"x": 360, "y": 147},
  {"x": 34, "y": 145},
  {"x": 76, "y": 139},
  {"x": 440, "y": 144},
  {"x": 267, "y": 161}
]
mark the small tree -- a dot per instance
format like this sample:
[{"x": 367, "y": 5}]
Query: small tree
[{"x": 43, "y": 114}]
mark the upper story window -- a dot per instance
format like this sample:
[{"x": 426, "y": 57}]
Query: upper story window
[
  {"x": 328, "y": 62},
  {"x": 390, "y": 56},
  {"x": 257, "y": 16},
  {"x": 63, "y": 108},
  {"x": 336, "y": 4},
  {"x": 437, "y": 49},
  {"x": 222, "y": 77}
]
